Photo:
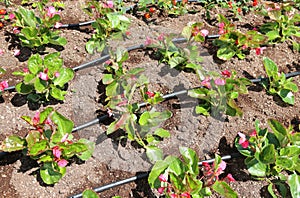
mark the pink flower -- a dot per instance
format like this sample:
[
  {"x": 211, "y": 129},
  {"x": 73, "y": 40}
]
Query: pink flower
[
  {"x": 204, "y": 33},
  {"x": 51, "y": 11},
  {"x": 57, "y": 25},
  {"x": 56, "y": 152},
  {"x": 148, "y": 41},
  {"x": 162, "y": 178},
  {"x": 36, "y": 119},
  {"x": 1, "y": 51},
  {"x": 229, "y": 178},
  {"x": 244, "y": 47},
  {"x": 221, "y": 168},
  {"x": 11, "y": 16},
  {"x": 243, "y": 141},
  {"x": 64, "y": 138},
  {"x": 108, "y": 4},
  {"x": 220, "y": 81},
  {"x": 17, "y": 52},
  {"x": 150, "y": 94},
  {"x": 173, "y": 195},
  {"x": 56, "y": 74},
  {"x": 253, "y": 133},
  {"x": 43, "y": 76},
  {"x": 3, "y": 85},
  {"x": 186, "y": 194},
  {"x": 161, "y": 190},
  {"x": 62, "y": 163},
  {"x": 26, "y": 70},
  {"x": 206, "y": 82},
  {"x": 260, "y": 50},
  {"x": 221, "y": 28},
  {"x": 48, "y": 121},
  {"x": 16, "y": 30},
  {"x": 161, "y": 37},
  {"x": 226, "y": 73}
]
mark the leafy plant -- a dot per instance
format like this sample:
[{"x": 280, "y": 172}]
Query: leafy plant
[
  {"x": 232, "y": 42},
  {"x": 50, "y": 143},
  {"x": 38, "y": 32},
  {"x": 44, "y": 78},
  {"x": 140, "y": 126},
  {"x": 110, "y": 23},
  {"x": 273, "y": 156},
  {"x": 181, "y": 177},
  {"x": 175, "y": 56},
  {"x": 283, "y": 26},
  {"x": 218, "y": 93},
  {"x": 278, "y": 84},
  {"x": 171, "y": 7},
  {"x": 42, "y": 3}
]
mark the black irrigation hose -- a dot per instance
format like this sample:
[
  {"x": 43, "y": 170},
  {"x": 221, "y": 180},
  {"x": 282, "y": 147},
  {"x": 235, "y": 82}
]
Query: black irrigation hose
[
  {"x": 167, "y": 96},
  {"x": 145, "y": 175}
]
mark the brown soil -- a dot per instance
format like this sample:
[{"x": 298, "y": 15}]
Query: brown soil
[{"x": 113, "y": 161}]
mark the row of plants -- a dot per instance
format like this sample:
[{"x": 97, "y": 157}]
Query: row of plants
[{"x": 51, "y": 144}]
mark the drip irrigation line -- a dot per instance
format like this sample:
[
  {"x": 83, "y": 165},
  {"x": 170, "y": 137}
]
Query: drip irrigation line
[{"x": 145, "y": 175}]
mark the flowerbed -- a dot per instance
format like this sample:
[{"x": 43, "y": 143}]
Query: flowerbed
[{"x": 206, "y": 135}]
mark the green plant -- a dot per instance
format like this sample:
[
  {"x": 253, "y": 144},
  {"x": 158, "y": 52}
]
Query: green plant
[
  {"x": 218, "y": 93},
  {"x": 140, "y": 125},
  {"x": 37, "y": 32},
  {"x": 283, "y": 26},
  {"x": 273, "y": 156},
  {"x": 175, "y": 56},
  {"x": 50, "y": 143},
  {"x": 232, "y": 42},
  {"x": 44, "y": 78},
  {"x": 42, "y": 3},
  {"x": 277, "y": 83},
  {"x": 171, "y": 7},
  {"x": 181, "y": 177},
  {"x": 110, "y": 23}
]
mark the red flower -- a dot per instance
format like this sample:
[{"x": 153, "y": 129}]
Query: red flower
[
  {"x": 243, "y": 141},
  {"x": 229, "y": 178},
  {"x": 150, "y": 94},
  {"x": 147, "y": 15},
  {"x": 253, "y": 133},
  {"x": 162, "y": 178},
  {"x": 1, "y": 25},
  {"x": 230, "y": 4},
  {"x": 2, "y": 12},
  {"x": 259, "y": 50},
  {"x": 174, "y": 2},
  {"x": 36, "y": 119},
  {"x": 152, "y": 10},
  {"x": 239, "y": 9},
  {"x": 254, "y": 3},
  {"x": 226, "y": 73}
]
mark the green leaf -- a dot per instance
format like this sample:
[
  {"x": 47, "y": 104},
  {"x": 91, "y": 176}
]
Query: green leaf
[
  {"x": 290, "y": 86},
  {"x": 225, "y": 53},
  {"x": 64, "y": 125},
  {"x": 90, "y": 149},
  {"x": 284, "y": 162},
  {"x": 270, "y": 190},
  {"x": 44, "y": 114},
  {"x": 32, "y": 138},
  {"x": 191, "y": 159},
  {"x": 53, "y": 62},
  {"x": 49, "y": 175},
  {"x": 35, "y": 64},
  {"x": 224, "y": 189},
  {"x": 154, "y": 153},
  {"x": 162, "y": 133},
  {"x": 267, "y": 155},
  {"x": 57, "y": 93},
  {"x": 270, "y": 67},
  {"x": 176, "y": 61},
  {"x": 294, "y": 184},
  {"x": 57, "y": 40},
  {"x": 23, "y": 88},
  {"x": 65, "y": 75},
  {"x": 201, "y": 110},
  {"x": 256, "y": 168},
  {"x": 89, "y": 194},
  {"x": 107, "y": 79},
  {"x": 40, "y": 85},
  {"x": 279, "y": 131},
  {"x": 158, "y": 168},
  {"x": 38, "y": 148},
  {"x": 272, "y": 35},
  {"x": 287, "y": 96},
  {"x": 13, "y": 143}
]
